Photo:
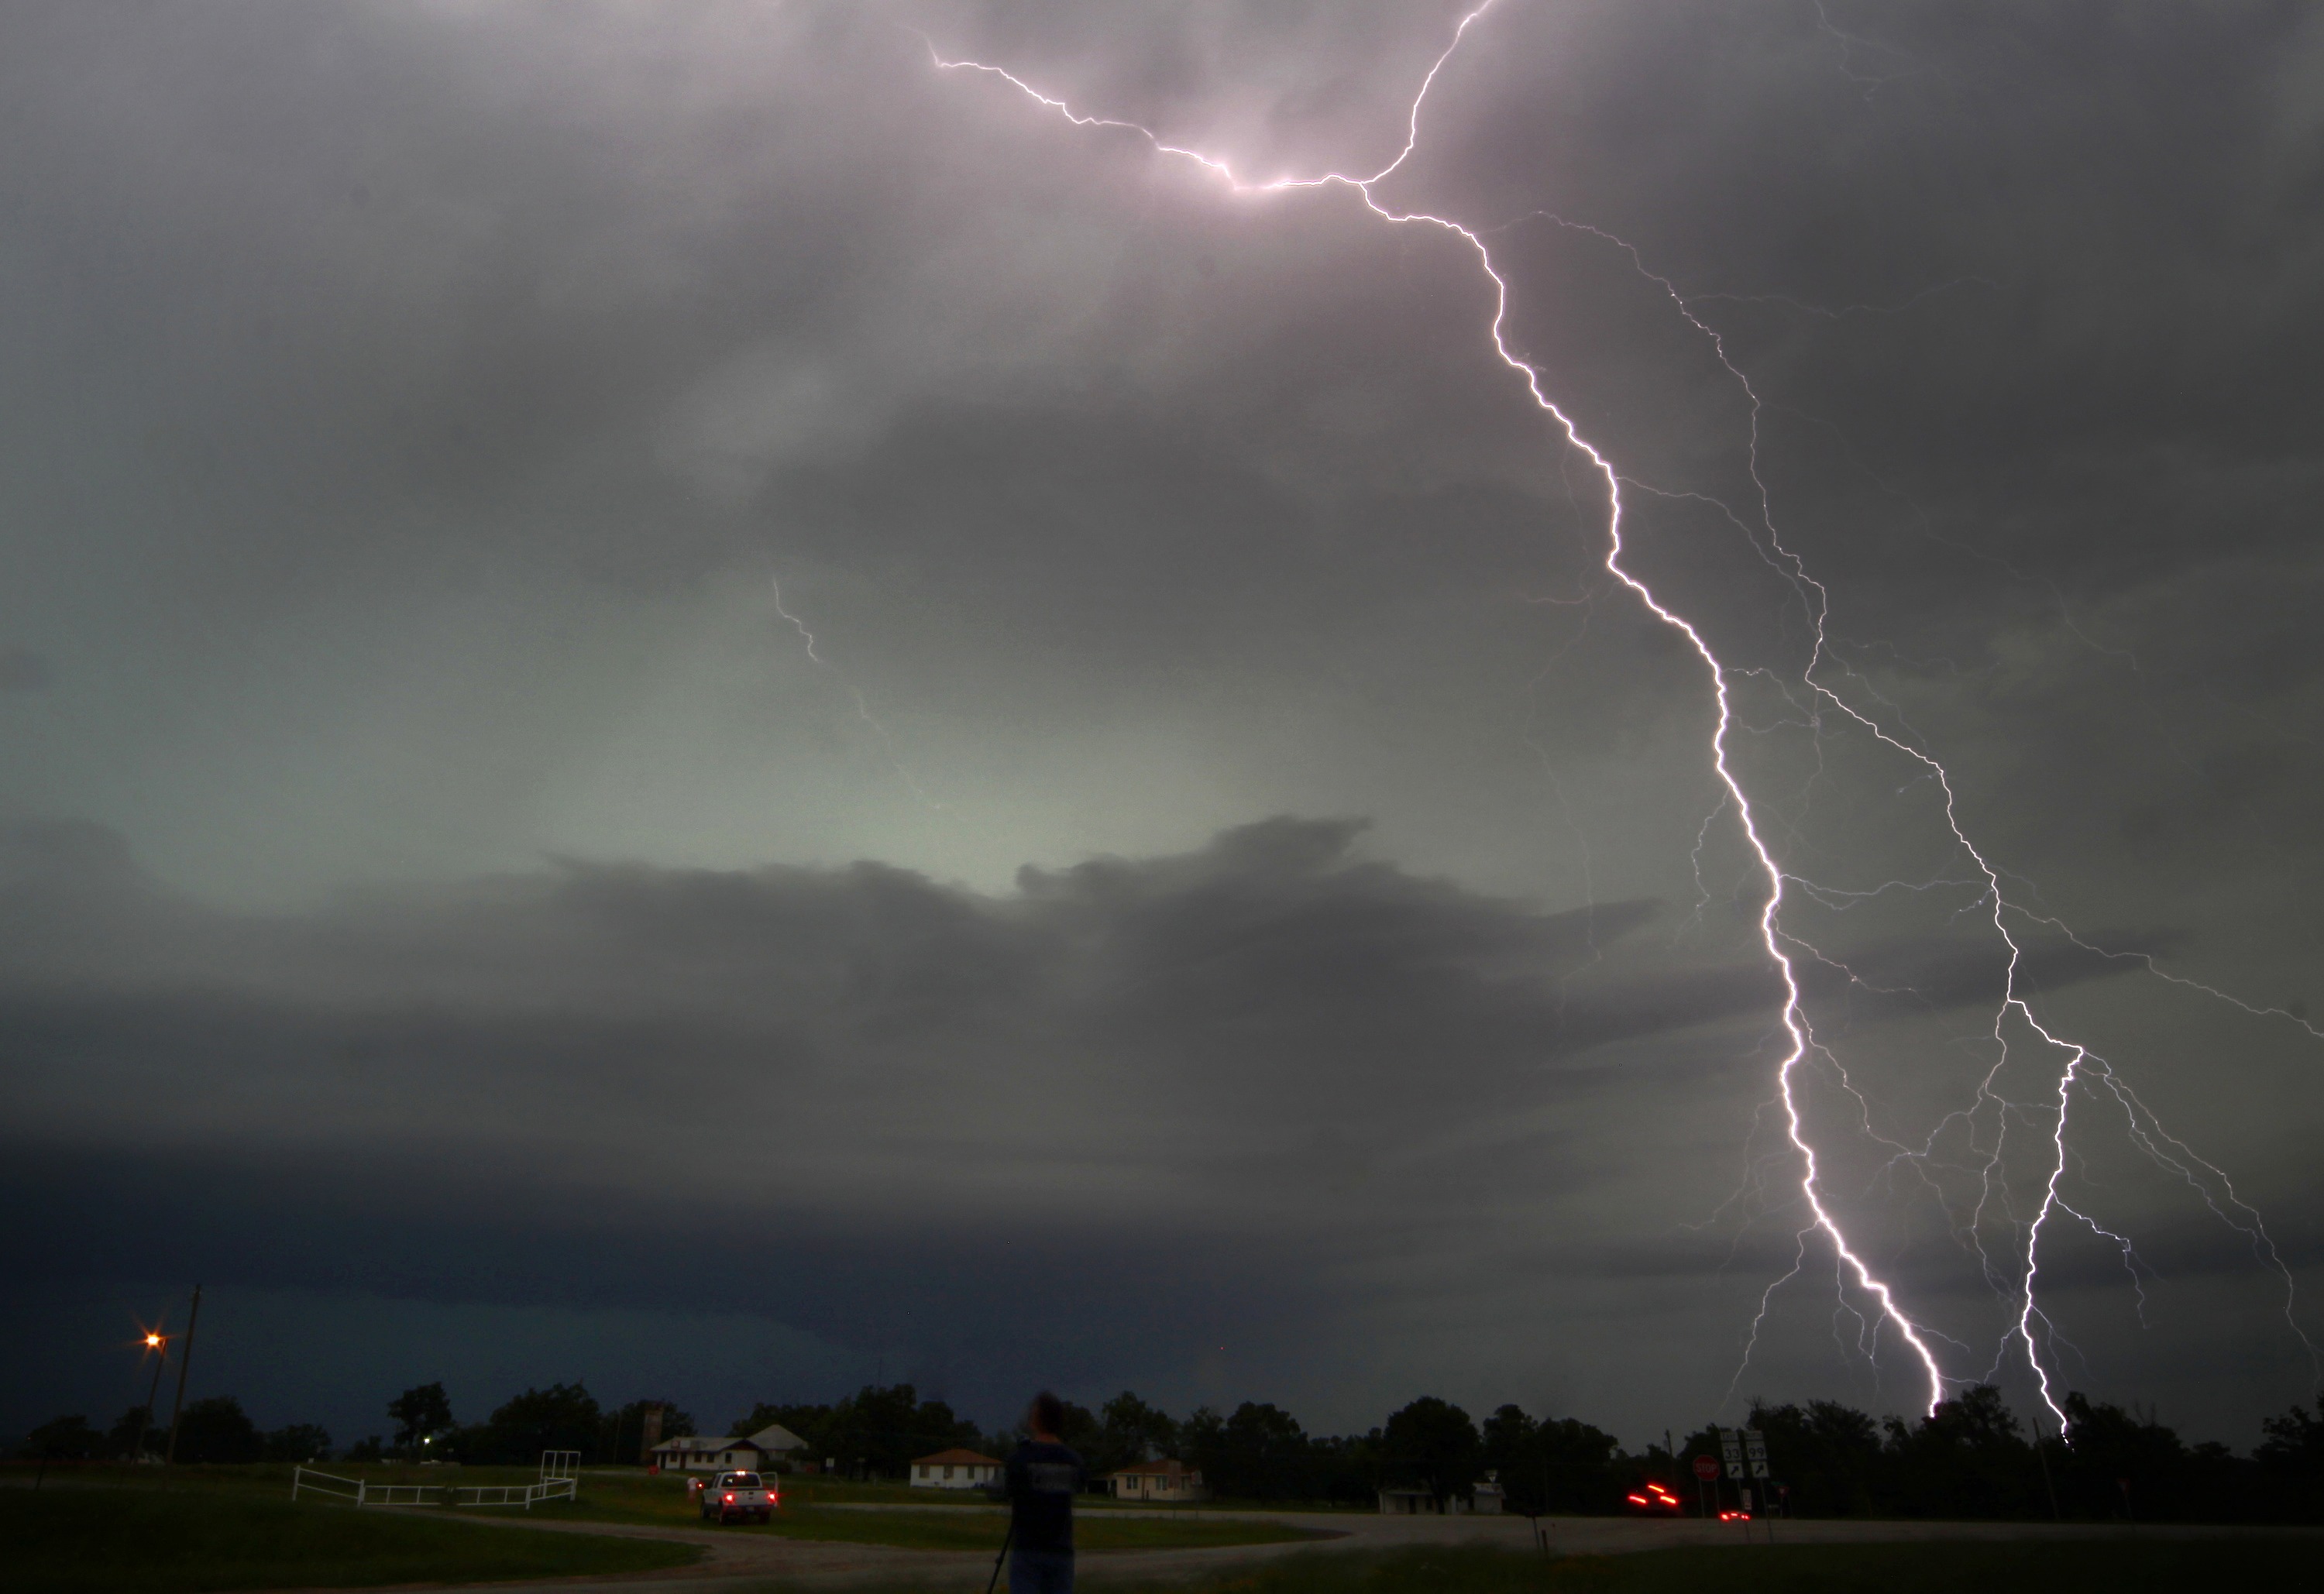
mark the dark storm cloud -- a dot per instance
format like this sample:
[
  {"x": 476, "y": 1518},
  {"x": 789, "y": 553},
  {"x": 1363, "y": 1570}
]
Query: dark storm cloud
[
  {"x": 1164, "y": 1011},
  {"x": 1200, "y": 1088},
  {"x": 24, "y": 670},
  {"x": 1120, "y": 1011},
  {"x": 1233, "y": 1084}
]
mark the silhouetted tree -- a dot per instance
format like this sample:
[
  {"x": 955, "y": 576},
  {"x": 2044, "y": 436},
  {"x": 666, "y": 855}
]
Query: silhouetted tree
[
  {"x": 1965, "y": 1459},
  {"x": 2291, "y": 1463},
  {"x": 63, "y": 1439},
  {"x": 878, "y": 1431},
  {"x": 1347, "y": 1470},
  {"x": 1827, "y": 1454},
  {"x": 1512, "y": 1445},
  {"x": 563, "y": 1417},
  {"x": 420, "y": 1412},
  {"x": 1130, "y": 1431},
  {"x": 1432, "y": 1444},
  {"x": 122, "y": 1440},
  {"x": 1560, "y": 1466},
  {"x": 217, "y": 1430},
  {"x": 298, "y": 1441}
]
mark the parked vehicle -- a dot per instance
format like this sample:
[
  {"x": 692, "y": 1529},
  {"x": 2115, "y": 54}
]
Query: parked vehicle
[{"x": 737, "y": 1496}]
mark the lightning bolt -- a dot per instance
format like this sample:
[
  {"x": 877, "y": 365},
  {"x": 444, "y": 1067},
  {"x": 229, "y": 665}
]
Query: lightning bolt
[
  {"x": 862, "y": 709},
  {"x": 2083, "y": 1071}
]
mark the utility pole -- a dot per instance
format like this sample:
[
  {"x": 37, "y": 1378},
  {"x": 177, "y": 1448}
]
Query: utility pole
[
  {"x": 2047, "y": 1486},
  {"x": 158, "y": 1343},
  {"x": 185, "y": 1362}
]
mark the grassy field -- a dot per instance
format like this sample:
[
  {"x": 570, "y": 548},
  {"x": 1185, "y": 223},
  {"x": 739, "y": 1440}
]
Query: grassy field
[
  {"x": 2114, "y": 1566},
  {"x": 808, "y": 1513},
  {"x": 89, "y": 1540},
  {"x": 982, "y": 1530}
]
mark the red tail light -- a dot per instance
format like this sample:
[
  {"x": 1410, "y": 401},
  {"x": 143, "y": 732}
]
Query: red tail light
[{"x": 730, "y": 1499}]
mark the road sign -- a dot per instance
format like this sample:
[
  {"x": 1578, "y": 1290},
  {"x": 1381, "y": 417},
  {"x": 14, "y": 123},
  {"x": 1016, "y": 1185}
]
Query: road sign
[
  {"x": 1754, "y": 1449},
  {"x": 1731, "y": 1446},
  {"x": 1707, "y": 1468}
]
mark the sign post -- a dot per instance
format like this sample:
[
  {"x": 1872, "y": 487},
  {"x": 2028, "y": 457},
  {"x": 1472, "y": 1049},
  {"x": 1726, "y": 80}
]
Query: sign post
[
  {"x": 1706, "y": 1473},
  {"x": 1755, "y": 1454},
  {"x": 1730, "y": 1451}
]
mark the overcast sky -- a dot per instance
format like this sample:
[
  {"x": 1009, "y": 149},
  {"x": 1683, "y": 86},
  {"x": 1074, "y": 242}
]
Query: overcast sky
[{"x": 686, "y": 703}]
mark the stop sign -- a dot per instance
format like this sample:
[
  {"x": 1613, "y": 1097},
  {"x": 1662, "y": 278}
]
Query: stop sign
[{"x": 1707, "y": 1468}]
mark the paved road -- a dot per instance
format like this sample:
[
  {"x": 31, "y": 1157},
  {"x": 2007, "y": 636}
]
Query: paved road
[{"x": 742, "y": 1563}]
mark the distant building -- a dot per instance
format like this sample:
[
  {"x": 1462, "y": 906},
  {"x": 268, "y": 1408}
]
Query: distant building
[
  {"x": 771, "y": 1447},
  {"x": 1158, "y": 1480},
  {"x": 781, "y": 1444},
  {"x": 1483, "y": 1500},
  {"x": 954, "y": 1469},
  {"x": 694, "y": 1453}
]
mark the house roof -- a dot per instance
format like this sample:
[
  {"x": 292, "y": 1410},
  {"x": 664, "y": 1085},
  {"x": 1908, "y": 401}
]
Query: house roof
[
  {"x": 953, "y": 1457},
  {"x": 774, "y": 1436},
  {"x": 696, "y": 1441},
  {"x": 1166, "y": 1469}
]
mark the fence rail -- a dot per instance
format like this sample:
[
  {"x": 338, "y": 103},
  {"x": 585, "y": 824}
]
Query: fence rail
[
  {"x": 329, "y": 1485},
  {"x": 559, "y": 1480},
  {"x": 527, "y": 1495}
]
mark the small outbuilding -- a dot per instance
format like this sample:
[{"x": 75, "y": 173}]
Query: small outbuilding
[
  {"x": 954, "y": 1469},
  {"x": 1173, "y": 1481},
  {"x": 1484, "y": 1500}
]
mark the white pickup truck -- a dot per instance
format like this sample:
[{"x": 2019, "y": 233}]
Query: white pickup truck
[{"x": 736, "y": 1497}]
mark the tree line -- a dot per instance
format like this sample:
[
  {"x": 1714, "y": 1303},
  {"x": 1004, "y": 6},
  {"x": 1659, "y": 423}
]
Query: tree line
[
  {"x": 213, "y": 1430},
  {"x": 1969, "y": 1458}
]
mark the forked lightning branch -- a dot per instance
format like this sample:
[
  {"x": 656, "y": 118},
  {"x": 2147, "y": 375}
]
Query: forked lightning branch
[{"x": 2083, "y": 1080}]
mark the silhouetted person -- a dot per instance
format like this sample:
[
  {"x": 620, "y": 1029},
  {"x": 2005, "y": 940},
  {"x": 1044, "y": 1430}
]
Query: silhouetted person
[{"x": 1041, "y": 1480}]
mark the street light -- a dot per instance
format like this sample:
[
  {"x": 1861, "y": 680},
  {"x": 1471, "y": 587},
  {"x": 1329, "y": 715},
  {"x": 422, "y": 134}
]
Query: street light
[{"x": 155, "y": 1341}]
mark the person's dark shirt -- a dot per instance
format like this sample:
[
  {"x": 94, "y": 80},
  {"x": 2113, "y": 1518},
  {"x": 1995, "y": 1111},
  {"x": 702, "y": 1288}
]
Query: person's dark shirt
[{"x": 1041, "y": 1480}]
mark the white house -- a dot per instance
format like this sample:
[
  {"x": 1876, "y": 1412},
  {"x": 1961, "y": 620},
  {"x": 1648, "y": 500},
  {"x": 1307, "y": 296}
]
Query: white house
[
  {"x": 954, "y": 1469},
  {"x": 694, "y": 1453},
  {"x": 1174, "y": 1481},
  {"x": 754, "y": 1452}
]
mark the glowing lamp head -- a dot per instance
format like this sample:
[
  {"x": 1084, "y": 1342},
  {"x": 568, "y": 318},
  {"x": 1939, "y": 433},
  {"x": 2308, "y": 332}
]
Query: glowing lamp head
[{"x": 152, "y": 1341}]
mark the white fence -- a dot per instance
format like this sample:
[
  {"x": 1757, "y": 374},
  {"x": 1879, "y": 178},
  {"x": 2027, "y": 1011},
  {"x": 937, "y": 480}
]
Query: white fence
[
  {"x": 560, "y": 1480},
  {"x": 361, "y": 1491},
  {"x": 347, "y": 1491}
]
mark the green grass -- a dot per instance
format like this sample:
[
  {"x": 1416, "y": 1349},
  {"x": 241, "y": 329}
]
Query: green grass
[
  {"x": 2114, "y": 1566},
  {"x": 116, "y": 1541}
]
